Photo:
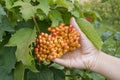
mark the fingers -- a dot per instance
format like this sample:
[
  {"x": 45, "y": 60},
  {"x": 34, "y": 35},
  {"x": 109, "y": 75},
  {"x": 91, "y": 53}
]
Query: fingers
[
  {"x": 84, "y": 40},
  {"x": 75, "y": 25},
  {"x": 61, "y": 62}
]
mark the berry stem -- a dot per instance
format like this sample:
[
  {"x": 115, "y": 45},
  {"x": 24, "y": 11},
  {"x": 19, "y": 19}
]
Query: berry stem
[{"x": 36, "y": 25}]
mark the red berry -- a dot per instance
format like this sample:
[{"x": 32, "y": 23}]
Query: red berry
[{"x": 90, "y": 19}]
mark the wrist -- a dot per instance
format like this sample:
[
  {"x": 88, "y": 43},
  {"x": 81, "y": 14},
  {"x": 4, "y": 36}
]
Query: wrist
[
  {"x": 107, "y": 65},
  {"x": 97, "y": 61},
  {"x": 91, "y": 59}
]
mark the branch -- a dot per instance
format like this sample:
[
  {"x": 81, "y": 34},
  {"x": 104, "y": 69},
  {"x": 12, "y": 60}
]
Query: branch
[{"x": 36, "y": 25}]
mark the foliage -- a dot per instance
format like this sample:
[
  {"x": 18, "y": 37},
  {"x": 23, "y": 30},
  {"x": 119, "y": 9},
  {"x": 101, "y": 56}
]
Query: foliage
[
  {"x": 109, "y": 10},
  {"x": 22, "y": 20},
  {"x": 109, "y": 29},
  {"x": 7, "y": 64},
  {"x": 88, "y": 29}
]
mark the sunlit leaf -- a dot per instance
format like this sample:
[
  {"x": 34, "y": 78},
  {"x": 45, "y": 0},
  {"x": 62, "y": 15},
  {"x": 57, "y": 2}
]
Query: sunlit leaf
[
  {"x": 90, "y": 32},
  {"x": 55, "y": 17},
  {"x": 44, "y": 6},
  {"x": 64, "y": 3},
  {"x": 27, "y": 10},
  {"x": 22, "y": 39}
]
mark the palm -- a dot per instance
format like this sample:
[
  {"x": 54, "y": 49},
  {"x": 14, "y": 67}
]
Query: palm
[{"x": 72, "y": 59}]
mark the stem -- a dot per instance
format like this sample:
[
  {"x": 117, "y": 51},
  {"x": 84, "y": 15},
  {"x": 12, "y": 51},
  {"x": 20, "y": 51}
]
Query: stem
[{"x": 36, "y": 25}]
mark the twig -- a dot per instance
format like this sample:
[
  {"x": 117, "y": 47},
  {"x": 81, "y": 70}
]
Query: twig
[{"x": 36, "y": 25}]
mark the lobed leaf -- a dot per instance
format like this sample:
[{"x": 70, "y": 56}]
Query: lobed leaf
[
  {"x": 22, "y": 39},
  {"x": 8, "y": 4},
  {"x": 44, "y": 6},
  {"x": 65, "y": 4},
  {"x": 55, "y": 17},
  {"x": 27, "y": 10}
]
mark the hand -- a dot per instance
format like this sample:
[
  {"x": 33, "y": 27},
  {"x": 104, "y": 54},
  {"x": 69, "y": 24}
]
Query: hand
[{"x": 81, "y": 58}]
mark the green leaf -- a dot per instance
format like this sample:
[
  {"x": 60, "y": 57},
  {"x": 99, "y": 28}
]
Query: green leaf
[
  {"x": 5, "y": 39},
  {"x": 66, "y": 17},
  {"x": 55, "y": 17},
  {"x": 43, "y": 26},
  {"x": 7, "y": 64},
  {"x": 33, "y": 76},
  {"x": 90, "y": 32},
  {"x": 46, "y": 74},
  {"x": 41, "y": 14},
  {"x": 95, "y": 76},
  {"x": 78, "y": 72},
  {"x": 58, "y": 74},
  {"x": 26, "y": 9},
  {"x": 106, "y": 35},
  {"x": 8, "y": 4},
  {"x": 2, "y": 12},
  {"x": 117, "y": 36},
  {"x": 5, "y": 76},
  {"x": 75, "y": 13},
  {"x": 19, "y": 71},
  {"x": 25, "y": 24},
  {"x": 26, "y": 0},
  {"x": 77, "y": 10},
  {"x": 44, "y": 6},
  {"x": 22, "y": 39},
  {"x": 57, "y": 66},
  {"x": 5, "y": 26},
  {"x": 64, "y": 3}
]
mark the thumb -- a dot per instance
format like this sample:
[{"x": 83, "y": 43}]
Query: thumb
[
  {"x": 75, "y": 25},
  {"x": 62, "y": 62}
]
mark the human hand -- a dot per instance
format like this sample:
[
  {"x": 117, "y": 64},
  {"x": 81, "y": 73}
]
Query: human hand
[{"x": 81, "y": 58}]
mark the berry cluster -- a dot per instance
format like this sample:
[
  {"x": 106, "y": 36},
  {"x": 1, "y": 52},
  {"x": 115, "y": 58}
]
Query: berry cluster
[{"x": 54, "y": 45}]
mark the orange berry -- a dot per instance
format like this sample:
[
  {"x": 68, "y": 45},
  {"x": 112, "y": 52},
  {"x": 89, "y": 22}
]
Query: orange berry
[
  {"x": 61, "y": 39},
  {"x": 35, "y": 49}
]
